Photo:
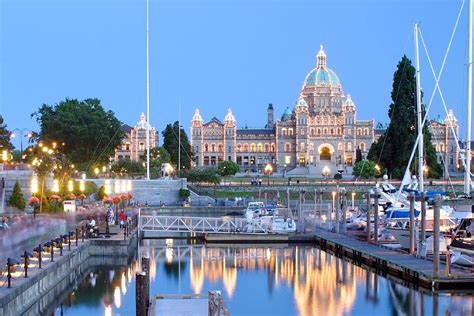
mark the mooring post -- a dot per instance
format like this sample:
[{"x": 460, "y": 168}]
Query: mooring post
[
  {"x": 25, "y": 258},
  {"x": 411, "y": 198},
  {"x": 423, "y": 217},
  {"x": 40, "y": 250},
  {"x": 376, "y": 216},
  {"x": 140, "y": 297},
  {"x": 69, "y": 241},
  {"x": 344, "y": 212},
  {"x": 51, "y": 249},
  {"x": 9, "y": 274},
  {"x": 436, "y": 214},
  {"x": 368, "y": 216},
  {"x": 146, "y": 284},
  {"x": 77, "y": 236}
]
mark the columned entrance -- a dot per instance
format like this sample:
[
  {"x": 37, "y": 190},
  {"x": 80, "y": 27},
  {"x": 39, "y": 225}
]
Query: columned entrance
[{"x": 325, "y": 152}]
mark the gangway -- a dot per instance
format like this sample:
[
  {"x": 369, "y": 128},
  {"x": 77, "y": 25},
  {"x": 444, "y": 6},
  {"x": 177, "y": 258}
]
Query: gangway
[{"x": 203, "y": 225}]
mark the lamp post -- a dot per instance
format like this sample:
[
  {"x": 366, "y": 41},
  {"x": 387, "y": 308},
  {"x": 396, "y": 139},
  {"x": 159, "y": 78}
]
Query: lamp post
[
  {"x": 353, "y": 197},
  {"x": 22, "y": 132},
  {"x": 55, "y": 189},
  {"x": 268, "y": 171}
]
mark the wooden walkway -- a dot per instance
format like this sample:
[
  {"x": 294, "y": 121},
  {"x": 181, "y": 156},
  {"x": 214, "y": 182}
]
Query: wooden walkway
[{"x": 404, "y": 266}]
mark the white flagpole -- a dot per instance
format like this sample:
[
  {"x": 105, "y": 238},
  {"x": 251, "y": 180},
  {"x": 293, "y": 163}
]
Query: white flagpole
[
  {"x": 147, "y": 90},
  {"x": 418, "y": 109},
  {"x": 467, "y": 172}
]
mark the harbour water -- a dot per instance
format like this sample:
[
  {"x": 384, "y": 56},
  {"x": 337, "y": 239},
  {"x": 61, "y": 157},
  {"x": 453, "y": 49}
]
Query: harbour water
[{"x": 258, "y": 280}]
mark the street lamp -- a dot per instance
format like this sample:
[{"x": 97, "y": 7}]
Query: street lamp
[
  {"x": 55, "y": 188},
  {"x": 96, "y": 171},
  {"x": 326, "y": 172},
  {"x": 34, "y": 190},
  {"x": 353, "y": 197},
  {"x": 377, "y": 168},
  {"x": 70, "y": 186},
  {"x": 81, "y": 186},
  {"x": 5, "y": 155},
  {"x": 268, "y": 170},
  {"x": 21, "y": 131},
  {"x": 333, "y": 202}
]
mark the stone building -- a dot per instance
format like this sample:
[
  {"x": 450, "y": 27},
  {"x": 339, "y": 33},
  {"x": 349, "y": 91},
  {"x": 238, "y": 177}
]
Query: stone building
[
  {"x": 444, "y": 141},
  {"x": 133, "y": 146},
  {"x": 321, "y": 129}
]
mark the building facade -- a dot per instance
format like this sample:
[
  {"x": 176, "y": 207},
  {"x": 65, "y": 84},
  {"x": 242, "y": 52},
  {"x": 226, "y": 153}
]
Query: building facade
[
  {"x": 444, "y": 141},
  {"x": 133, "y": 146},
  {"x": 322, "y": 128}
]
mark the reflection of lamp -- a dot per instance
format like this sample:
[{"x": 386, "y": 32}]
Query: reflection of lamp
[
  {"x": 353, "y": 196},
  {"x": 333, "y": 200},
  {"x": 107, "y": 187},
  {"x": 70, "y": 186},
  {"x": 81, "y": 186},
  {"x": 55, "y": 188}
]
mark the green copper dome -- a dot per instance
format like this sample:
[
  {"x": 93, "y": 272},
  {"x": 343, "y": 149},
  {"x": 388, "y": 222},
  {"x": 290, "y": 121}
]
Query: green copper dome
[{"x": 321, "y": 76}]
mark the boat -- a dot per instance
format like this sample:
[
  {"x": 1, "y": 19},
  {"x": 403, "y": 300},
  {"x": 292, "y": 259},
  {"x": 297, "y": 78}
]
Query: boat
[
  {"x": 254, "y": 209},
  {"x": 282, "y": 225},
  {"x": 462, "y": 259}
]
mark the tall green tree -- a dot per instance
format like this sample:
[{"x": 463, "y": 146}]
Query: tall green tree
[
  {"x": 5, "y": 136},
  {"x": 170, "y": 143},
  {"x": 17, "y": 199},
  {"x": 128, "y": 167},
  {"x": 158, "y": 156},
  {"x": 86, "y": 132},
  {"x": 392, "y": 150},
  {"x": 227, "y": 168},
  {"x": 365, "y": 169}
]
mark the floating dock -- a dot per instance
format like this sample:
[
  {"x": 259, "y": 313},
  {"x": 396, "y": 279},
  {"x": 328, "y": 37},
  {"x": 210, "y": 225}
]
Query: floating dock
[
  {"x": 401, "y": 265},
  {"x": 258, "y": 239}
]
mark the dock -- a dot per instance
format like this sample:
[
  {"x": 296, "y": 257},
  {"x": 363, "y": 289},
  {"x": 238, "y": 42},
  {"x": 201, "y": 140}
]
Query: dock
[
  {"x": 403, "y": 266},
  {"x": 188, "y": 304}
]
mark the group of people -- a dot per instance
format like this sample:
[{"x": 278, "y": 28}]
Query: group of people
[{"x": 256, "y": 181}]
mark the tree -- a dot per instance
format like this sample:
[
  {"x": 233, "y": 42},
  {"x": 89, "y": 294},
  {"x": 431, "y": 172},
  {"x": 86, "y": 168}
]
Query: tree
[
  {"x": 365, "y": 169},
  {"x": 184, "y": 193},
  {"x": 17, "y": 199},
  {"x": 392, "y": 150},
  {"x": 5, "y": 136},
  {"x": 128, "y": 167},
  {"x": 227, "y": 168},
  {"x": 358, "y": 155},
  {"x": 84, "y": 129},
  {"x": 170, "y": 143},
  {"x": 158, "y": 156},
  {"x": 206, "y": 175},
  {"x": 101, "y": 194}
]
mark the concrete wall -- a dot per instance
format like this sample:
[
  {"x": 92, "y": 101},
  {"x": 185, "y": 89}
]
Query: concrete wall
[
  {"x": 152, "y": 191},
  {"x": 10, "y": 177},
  {"x": 40, "y": 293}
]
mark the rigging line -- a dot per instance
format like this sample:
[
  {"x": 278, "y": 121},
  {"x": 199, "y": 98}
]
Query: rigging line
[
  {"x": 118, "y": 129},
  {"x": 438, "y": 88},
  {"x": 385, "y": 136},
  {"x": 181, "y": 144},
  {"x": 95, "y": 150}
]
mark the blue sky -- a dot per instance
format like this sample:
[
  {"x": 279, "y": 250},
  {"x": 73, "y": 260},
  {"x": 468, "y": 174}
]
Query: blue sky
[{"x": 213, "y": 54}]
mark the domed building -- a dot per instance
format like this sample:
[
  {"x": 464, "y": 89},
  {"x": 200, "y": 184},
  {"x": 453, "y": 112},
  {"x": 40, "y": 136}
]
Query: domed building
[{"x": 321, "y": 129}]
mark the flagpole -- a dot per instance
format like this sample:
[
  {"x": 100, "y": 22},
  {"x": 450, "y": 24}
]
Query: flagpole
[{"x": 147, "y": 90}]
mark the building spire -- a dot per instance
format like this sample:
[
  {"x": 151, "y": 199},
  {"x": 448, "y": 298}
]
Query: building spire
[{"x": 321, "y": 58}]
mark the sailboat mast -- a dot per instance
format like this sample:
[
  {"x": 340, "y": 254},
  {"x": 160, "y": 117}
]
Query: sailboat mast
[
  {"x": 147, "y": 91},
  {"x": 419, "y": 113},
  {"x": 179, "y": 139},
  {"x": 467, "y": 172}
]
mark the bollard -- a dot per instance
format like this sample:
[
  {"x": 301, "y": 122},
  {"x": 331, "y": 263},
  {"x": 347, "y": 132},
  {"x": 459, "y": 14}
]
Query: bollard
[
  {"x": 25, "y": 258},
  {"x": 140, "y": 293},
  {"x": 368, "y": 216},
  {"x": 436, "y": 236},
  {"x": 52, "y": 250},
  {"x": 61, "y": 246},
  {"x": 344, "y": 213},
  {"x": 411, "y": 198},
  {"x": 376, "y": 216},
  {"x": 146, "y": 284},
  {"x": 77, "y": 236},
  {"x": 125, "y": 234},
  {"x": 9, "y": 274},
  {"x": 83, "y": 233},
  {"x": 40, "y": 250},
  {"x": 423, "y": 218},
  {"x": 69, "y": 241}
]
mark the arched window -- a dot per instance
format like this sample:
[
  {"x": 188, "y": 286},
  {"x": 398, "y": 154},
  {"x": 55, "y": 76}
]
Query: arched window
[
  {"x": 349, "y": 146},
  {"x": 239, "y": 148},
  {"x": 302, "y": 131},
  {"x": 283, "y": 132},
  {"x": 213, "y": 147},
  {"x": 141, "y": 146},
  {"x": 366, "y": 131},
  {"x": 311, "y": 131},
  {"x": 267, "y": 148},
  {"x": 252, "y": 148},
  {"x": 273, "y": 148},
  {"x": 246, "y": 148},
  {"x": 206, "y": 147},
  {"x": 318, "y": 131},
  {"x": 287, "y": 147},
  {"x": 260, "y": 147},
  {"x": 221, "y": 148},
  {"x": 362, "y": 146},
  {"x": 339, "y": 131},
  {"x": 332, "y": 131},
  {"x": 325, "y": 131},
  {"x": 290, "y": 132}
]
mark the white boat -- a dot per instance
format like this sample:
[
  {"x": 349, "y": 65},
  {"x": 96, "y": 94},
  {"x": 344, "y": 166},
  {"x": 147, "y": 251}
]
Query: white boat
[
  {"x": 282, "y": 225},
  {"x": 254, "y": 209},
  {"x": 462, "y": 259}
]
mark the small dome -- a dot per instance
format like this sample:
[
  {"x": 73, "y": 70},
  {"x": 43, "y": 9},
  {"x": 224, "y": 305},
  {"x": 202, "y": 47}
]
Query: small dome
[
  {"x": 450, "y": 118},
  {"x": 287, "y": 115},
  {"x": 348, "y": 101},
  {"x": 143, "y": 124},
  {"x": 229, "y": 117},
  {"x": 301, "y": 103},
  {"x": 197, "y": 116}
]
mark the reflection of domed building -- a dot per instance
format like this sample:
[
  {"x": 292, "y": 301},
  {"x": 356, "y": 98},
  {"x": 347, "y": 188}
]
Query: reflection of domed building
[{"x": 321, "y": 129}]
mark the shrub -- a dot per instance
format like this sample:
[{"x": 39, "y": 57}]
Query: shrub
[{"x": 17, "y": 199}]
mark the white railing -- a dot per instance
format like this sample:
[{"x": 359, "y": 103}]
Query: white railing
[{"x": 188, "y": 224}]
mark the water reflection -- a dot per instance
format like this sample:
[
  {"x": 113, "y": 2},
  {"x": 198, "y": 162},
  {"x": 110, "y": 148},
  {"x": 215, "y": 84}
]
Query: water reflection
[{"x": 270, "y": 280}]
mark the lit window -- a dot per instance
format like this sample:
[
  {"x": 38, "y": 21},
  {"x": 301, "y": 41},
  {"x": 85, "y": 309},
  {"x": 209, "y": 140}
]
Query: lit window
[{"x": 288, "y": 160}]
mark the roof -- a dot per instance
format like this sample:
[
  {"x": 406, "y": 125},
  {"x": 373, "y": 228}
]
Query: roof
[
  {"x": 126, "y": 128},
  {"x": 253, "y": 131},
  {"x": 321, "y": 76},
  {"x": 214, "y": 120}
]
